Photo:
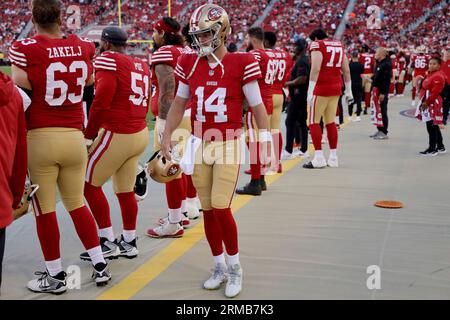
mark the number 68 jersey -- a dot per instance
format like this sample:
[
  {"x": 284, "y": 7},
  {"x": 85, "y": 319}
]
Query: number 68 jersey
[
  {"x": 329, "y": 82},
  {"x": 217, "y": 94},
  {"x": 58, "y": 70}
]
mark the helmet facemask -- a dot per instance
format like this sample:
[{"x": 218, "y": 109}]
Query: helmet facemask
[{"x": 204, "y": 49}]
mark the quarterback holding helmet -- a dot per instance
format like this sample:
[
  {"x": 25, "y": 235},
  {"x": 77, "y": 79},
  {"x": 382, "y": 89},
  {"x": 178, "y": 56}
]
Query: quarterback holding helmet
[{"x": 217, "y": 82}]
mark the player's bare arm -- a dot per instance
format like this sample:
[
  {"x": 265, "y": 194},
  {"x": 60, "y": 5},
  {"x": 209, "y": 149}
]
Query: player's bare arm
[
  {"x": 166, "y": 83},
  {"x": 20, "y": 77}
]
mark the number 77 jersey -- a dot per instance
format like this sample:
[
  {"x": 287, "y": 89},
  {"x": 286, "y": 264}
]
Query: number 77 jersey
[
  {"x": 329, "y": 82},
  {"x": 58, "y": 70}
]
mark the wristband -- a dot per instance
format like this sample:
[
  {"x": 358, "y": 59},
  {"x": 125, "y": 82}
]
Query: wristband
[{"x": 265, "y": 136}]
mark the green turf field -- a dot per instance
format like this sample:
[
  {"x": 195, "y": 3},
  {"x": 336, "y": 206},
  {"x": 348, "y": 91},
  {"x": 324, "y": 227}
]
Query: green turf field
[
  {"x": 150, "y": 116},
  {"x": 6, "y": 70}
]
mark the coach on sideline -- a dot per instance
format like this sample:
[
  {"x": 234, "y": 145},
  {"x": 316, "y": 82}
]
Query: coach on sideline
[
  {"x": 381, "y": 81},
  {"x": 13, "y": 155}
]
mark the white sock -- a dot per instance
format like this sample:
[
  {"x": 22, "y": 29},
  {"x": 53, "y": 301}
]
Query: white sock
[
  {"x": 232, "y": 260},
  {"x": 175, "y": 215},
  {"x": 54, "y": 267},
  {"x": 183, "y": 206},
  {"x": 220, "y": 259},
  {"x": 318, "y": 153},
  {"x": 191, "y": 201},
  {"x": 129, "y": 235},
  {"x": 333, "y": 153},
  {"x": 107, "y": 233},
  {"x": 96, "y": 255}
]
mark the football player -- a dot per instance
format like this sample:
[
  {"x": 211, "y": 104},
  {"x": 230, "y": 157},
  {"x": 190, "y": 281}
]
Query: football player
[
  {"x": 218, "y": 83},
  {"x": 368, "y": 60},
  {"x": 170, "y": 45},
  {"x": 267, "y": 61},
  {"x": 281, "y": 70},
  {"x": 401, "y": 74},
  {"x": 328, "y": 63},
  {"x": 418, "y": 67},
  {"x": 117, "y": 123},
  {"x": 55, "y": 70}
]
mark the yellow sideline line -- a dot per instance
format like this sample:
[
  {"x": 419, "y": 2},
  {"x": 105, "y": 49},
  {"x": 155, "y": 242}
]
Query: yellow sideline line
[{"x": 156, "y": 265}]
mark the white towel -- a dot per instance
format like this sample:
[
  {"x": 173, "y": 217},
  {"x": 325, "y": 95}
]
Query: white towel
[{"x": 187, "y": 162}]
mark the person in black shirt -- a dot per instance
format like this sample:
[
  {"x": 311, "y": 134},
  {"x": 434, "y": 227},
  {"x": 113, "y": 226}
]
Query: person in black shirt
[
  {"x": 297, "y": 109},
  {"x": 356, "y": 70},
  {"x": 382, "y": 80}
]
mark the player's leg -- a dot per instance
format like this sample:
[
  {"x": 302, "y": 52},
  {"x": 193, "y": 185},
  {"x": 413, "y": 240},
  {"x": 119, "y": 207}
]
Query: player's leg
[
  {"x": 413, "y": 91},
  {"x": 275, "y": 120},
  {"x": 366, "y": 84},
  {"x": 316, "y": 111},
  {"x": 332, "y": 132},
  {"x": 43, "y": 170},
  {"x": 72, "y": 161},
  {"x": 256, "y": 184},
  {"x": 225, "y": 176}
]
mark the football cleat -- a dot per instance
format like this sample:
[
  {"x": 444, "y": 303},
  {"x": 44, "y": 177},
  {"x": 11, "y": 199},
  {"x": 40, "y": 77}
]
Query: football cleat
[
  {"x": 252, "y": 188},
  {"x": 219, "y": 276},
  {"x": 441, "y": 150},
  {"x": 234, "y": 283},
  {"x": 48, "y": 284},
  {"x": 101, "y": 274},
  {"x": 127, "y": 249},
  {"x": 316, "y": 163},
  {"x": 287, "y": 156},
  {"x": 109, "y": 248},
  {"x": 192, "y": 209},
  {"x": 166, "y": 230},
  {"x": 333, "y": 162},
  {"x": 429, "y": 153},
  {"x": 140, "y": 186},
  {"x": 262, "y": 183},
  {"x": 185, "y": 222}
]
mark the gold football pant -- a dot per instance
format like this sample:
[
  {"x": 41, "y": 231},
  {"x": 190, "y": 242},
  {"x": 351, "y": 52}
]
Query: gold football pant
[
  {"x": 216, "y": 172},
  {"x": 276, "y": 114},
  {"x": 325, "y": 107},
  {"x": 57, "y": 157},
  {"x": 116, "y": 155}
]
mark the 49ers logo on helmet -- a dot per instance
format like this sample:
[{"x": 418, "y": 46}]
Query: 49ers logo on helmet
[
  {"x": 173, "y": 170},
  {"x": 215, "y": 14}
]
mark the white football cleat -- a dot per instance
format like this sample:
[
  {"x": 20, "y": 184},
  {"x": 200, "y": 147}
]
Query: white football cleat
[
  {"x": 234, "y": 284},
  {"x": 219, "y": 276},
  {"x": 333, "y": 162},
  {"x": 287, "y": 156},
  {"x": 357, "y": 119},
  {"x": 316, "y": 163},
  {"x": 192, "y": 209},
  {"x": 167, "y": 230}
]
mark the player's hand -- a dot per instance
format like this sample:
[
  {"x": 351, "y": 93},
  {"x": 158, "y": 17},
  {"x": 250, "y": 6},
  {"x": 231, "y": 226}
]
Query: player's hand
[
  {"x": 425, "y": 106},
  {"x": 160, "y": 127},
  {"x": 88, "y": 143},
  {"x": 381, "y": 98},
  {"x": 166, "y": 146},
  {"x": 266, "y": 154},
  {"x": 349, "y": 97}
]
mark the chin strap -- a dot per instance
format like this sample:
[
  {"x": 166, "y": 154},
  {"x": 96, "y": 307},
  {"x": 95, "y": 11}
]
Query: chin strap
[
  {"x": 198, "y": 59},
  {"x": 219, "y": 62}
]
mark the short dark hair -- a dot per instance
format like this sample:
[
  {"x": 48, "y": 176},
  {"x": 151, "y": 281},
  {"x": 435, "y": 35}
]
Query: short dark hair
[
  {"x": 437, "y": 59},
  {"x": 271, "y": 38},
  {"x": 257, "y": 33},
  {"x": 186, "y": 35},
  {"x": 172, "y": 38},
  {"x": 46, "y": 12},
  {"x": 318, "y": 34}
]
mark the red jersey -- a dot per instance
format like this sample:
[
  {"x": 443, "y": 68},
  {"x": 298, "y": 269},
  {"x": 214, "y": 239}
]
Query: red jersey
[
  {"x": 401, "y": 64},
  {"x": 445, "y": 68},
  {"x": 368, "y": 61},
  {"x": 165, "y": 55},
  {"x": 394, "y": 64},
  {"x": 217, "y": 94},
  {"x": 121, "y": 94},
  {"x": 329, "y": 82},
  {"x": 267, "y": 64},
  {"x": 281, "y": 70},
  {"x": 58, "y": 70},
  {"x": 420, "y": 64}
]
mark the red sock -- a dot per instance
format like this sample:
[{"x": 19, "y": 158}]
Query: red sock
[
  {"x": 85, "y": 227},
  {"x": 401, "y": 88},
  {"x": 278, "y": 145},
  {"x": 413, "y": 93},
  {"x": 229, "y": 230},
  {"x": 391, "y": 88},
  {"x": 316, "y": 135},
  {"x": 174, "y": 193},
  {"x": 99, "y": 205},
  {"x": 213, "y": 232},
  {"x": 332, "y": 135},
  {"x": 255, "y": 164},
  {"x": 48, "y": 234},
  {"x": 367, "y": 99},
  {"x": 129, "y": 209},
  {"x": 191, "y": 192}
]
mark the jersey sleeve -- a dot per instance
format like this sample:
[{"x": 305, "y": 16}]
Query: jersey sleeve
[
  {"x": 18, "y": 55},
  {"x": 105, "y": 62},
  {"x": 181, "y": 69},
  {"x": 257, "y": 55},
  {"x": 314, "y": 46},
  {"x": 163, "y": 56},
  {"x": 252, "y": 71}
]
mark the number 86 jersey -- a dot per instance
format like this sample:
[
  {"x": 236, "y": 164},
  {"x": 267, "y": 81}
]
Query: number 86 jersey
[
  {"x": 329, "y": 82},
  {"x": 217, "y": 94},
  {"x": 58, "y": 70}
]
